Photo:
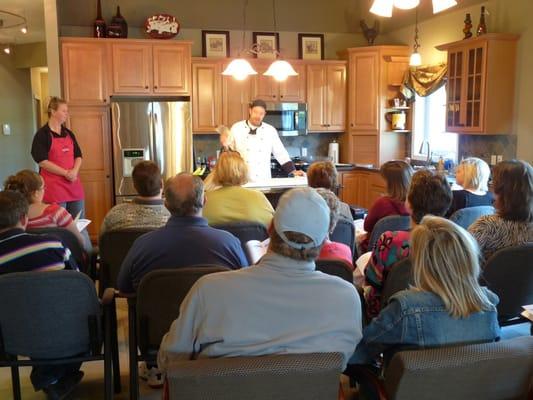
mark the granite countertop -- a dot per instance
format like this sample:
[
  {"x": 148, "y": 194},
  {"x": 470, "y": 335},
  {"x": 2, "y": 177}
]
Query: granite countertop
[{"x": 277, "y": 184}]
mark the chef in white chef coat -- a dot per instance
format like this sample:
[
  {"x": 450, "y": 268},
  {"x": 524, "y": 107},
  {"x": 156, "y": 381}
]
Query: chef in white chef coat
[{"x": 256, "y": 140}]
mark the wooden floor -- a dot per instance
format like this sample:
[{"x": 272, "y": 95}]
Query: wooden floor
[{"x": 92, "y": 385}]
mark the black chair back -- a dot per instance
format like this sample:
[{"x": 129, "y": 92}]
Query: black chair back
[
  {"x": 466, "y": 216},
  {"x": 69, "y": 240},
  {"x": 46, "y": 315},
  {"x": 245, "y": 231},
  {"x": 390, "y": 223},
  {"x": 509, "y": 274},
  {"x": 344, "y": 232},
  {"x": 399, "y": 277},
  {"x": 113, "y": 248},
  {"x": 335, "y": 267}
]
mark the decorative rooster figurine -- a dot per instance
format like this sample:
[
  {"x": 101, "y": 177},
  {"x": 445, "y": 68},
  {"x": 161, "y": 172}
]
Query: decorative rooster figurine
[{"x": 370, "y": 33}]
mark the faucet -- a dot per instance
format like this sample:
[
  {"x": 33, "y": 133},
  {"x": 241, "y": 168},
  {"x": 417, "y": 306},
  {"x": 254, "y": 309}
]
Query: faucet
[{"x": 428, "y": 159}]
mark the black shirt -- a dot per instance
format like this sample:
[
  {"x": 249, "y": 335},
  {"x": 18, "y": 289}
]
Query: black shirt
[
  {"x": 42, "y": 141},
  {"x": 465, "y": 199}
]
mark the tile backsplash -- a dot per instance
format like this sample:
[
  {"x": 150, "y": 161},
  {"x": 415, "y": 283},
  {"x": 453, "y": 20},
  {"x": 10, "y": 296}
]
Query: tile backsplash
[{"x": 483, "y": 146}]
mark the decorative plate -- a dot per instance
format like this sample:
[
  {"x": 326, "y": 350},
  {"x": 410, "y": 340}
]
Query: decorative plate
[{"x": 162, "y": 26}]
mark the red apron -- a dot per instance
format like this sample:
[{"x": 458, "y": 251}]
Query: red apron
[{"x": 59, "y": 189}]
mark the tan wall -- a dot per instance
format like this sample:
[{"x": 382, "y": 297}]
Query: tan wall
[
  {"x": 16, "y": 110},
  {"x": 512, "y": 16},
  {"x": 30, "y": 55}
]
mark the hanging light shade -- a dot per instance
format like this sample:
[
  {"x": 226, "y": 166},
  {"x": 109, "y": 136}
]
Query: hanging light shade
[
  {"x": 441, "y": 5},
  {"x": 415, "y": 60},
  {"x": 240, "y": 69},
  {"x": 280, "y": 70},
  {"x": 382, "y": 8},
  {"x": 406, "y": 4},
  {"x": 7, "y": 49}
]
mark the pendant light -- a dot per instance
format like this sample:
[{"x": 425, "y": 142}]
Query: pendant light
[
  {"x": 416, "y": 59},
  {"x": 441, "y": 5},
  {"x": 240, "y": 68},
  {"x": 384, "y": 8},
  {"x": 280, "y": 70},
  {"x": 406, "y": 4}
]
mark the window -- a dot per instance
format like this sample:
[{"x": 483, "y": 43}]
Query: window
[{"x": 430, "y": 126}]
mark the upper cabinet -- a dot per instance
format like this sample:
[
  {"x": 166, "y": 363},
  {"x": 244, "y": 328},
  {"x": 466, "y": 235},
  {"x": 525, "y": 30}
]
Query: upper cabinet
[
  {"x": 206, "y": 95},
  {"x": 481, "y": 80},
  {"x": 143, "y": 68},
  {"x": 363, "y": 89},
  {"x": 84, "y": 68},
  {"x": 268, "y": 89},
  {"x": 326, "y": 96}
]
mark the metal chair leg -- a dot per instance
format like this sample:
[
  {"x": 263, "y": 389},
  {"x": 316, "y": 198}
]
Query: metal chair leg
[
  {"x": 15, "y": 382},
  {"x": 134, "y": 371},
  {"x": 114, "y": 351}
]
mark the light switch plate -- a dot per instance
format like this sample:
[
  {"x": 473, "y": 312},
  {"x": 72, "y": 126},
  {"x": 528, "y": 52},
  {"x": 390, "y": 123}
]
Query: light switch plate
[
  {"x": 499, "y": 158},
  {"x": 6, "y": 129},
  {"x": 304, "y": 151},
  {"x": 493, "y": 159}
]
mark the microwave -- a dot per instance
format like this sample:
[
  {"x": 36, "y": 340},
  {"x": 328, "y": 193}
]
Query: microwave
[{"x": 290, "y": 119}]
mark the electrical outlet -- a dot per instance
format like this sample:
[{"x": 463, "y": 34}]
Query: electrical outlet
[
  {"x": 6, "y": 129},
  {"x": 499, "y": 158},
  {"x": 493, "y": 159},
  {"x": 304, "y": 151}
]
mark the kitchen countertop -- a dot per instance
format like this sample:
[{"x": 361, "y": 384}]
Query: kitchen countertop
[{"x": 277, "y": 184}]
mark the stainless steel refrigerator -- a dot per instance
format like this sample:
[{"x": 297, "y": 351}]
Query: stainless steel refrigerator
[{"x": 160, "y": 131}]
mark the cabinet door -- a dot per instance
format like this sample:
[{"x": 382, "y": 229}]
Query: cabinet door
[
  {"x": 236, "y": 98},
  {"x": 336, "y": 98},
  {"x": 92, "y": 130},
  {"x": 293, "y": 88},
  {"x": 132, "y": 68},
  {"x": 455, "y": 86},
  {"x": 363, "y": 91},
  {"x": 316, "y": 98},
  {"x": 265, "y": 87},
  {"x": 475, "y": 60},
  {"x": 206, "y": 96},
  {"x": 171, "y": 63},
  {"x": 84, "y": 73},
  {"x": 355, "y": 186}
]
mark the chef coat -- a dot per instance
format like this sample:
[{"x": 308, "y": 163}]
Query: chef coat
[{"x": 257, "y": 149}]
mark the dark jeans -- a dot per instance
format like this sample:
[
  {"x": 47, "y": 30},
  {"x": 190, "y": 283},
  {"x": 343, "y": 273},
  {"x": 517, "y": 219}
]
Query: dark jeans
[
  {"x": 44, "y": 375},
  {"x": 74, "y": 207}
]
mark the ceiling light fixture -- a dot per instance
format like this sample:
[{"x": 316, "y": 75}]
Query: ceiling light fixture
[
  {"x": 24, "y": 29},
  {"x": 416, "y": 59},
  {"x": 406, "y": 4},
  {"x": 384, "y": 8},
  {"x": 11, "y": 20},
  {"x": 7, "y": 49}
]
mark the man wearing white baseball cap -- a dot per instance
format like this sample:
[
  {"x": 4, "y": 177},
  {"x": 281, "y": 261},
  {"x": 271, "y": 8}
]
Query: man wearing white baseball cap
[{"x": 280, "y": 305}]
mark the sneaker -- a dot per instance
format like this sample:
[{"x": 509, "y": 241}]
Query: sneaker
[
  {"x": 63, "y": 387},
  {"x": 153, "y": 376}
]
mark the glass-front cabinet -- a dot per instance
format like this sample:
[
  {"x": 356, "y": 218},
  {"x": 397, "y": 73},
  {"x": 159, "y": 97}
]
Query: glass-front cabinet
[{"x": 480, "y": 84}]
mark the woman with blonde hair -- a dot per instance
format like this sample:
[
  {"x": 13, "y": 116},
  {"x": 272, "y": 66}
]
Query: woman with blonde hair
[
  {"x": 446, "y": 305},
  {"x": 40, "y": 214},
  {"x": 232, "y": 202},
  {"x": 473, "y": 175}
]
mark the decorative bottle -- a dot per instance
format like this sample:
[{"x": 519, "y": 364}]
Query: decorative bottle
[
  {"x": 99, "y": 28},
  {"x": 119, "y": 20},
  {"x": 482, "y": 27},
  {"x": 467, "y": 30}
]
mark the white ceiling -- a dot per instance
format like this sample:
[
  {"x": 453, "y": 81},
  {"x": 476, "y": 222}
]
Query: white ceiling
[{"x": 33, "y": 10}]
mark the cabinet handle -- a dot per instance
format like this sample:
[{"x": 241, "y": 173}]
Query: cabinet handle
[
  {"x": 105, "y": 100},
  {"x": 351, "y": 125},
  {"x": 146, "y": 87},
  {"x": 281, "y": 96},
  {"x": 273, "y": 96},
  {"x": 155, "y": 87}
]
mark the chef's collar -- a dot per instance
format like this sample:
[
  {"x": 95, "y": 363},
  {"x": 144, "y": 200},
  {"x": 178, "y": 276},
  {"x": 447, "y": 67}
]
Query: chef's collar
[{"x": 252, "y": 131}]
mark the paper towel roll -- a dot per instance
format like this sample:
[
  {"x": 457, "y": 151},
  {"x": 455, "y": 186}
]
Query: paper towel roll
[{"x": 333, "y": 152}]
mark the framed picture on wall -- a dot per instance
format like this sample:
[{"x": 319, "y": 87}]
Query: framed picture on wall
[
  {"x": 215, "y": 43},
  {"x": 267, "y": 44},
  {"x": 311, "y": 46}
]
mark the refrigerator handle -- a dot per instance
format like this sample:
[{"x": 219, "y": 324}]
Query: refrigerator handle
[
  {"x": 151, "y": 134},
  {"x": 157, "y": 148}
]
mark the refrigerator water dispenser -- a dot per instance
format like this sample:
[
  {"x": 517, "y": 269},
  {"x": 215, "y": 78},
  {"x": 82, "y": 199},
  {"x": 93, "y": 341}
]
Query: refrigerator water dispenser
[{"x": 130, "y": 158}]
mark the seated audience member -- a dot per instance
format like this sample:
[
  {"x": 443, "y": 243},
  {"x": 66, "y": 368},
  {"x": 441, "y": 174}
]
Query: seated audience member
[
  {"x": 41, "y": 215},
  {"x": 272, "y": 307},
  {"x": 23, "y": 252},
  {"x": 446, "y": 306},
  {"x": 333, "y": 250},
  {"x": 147, "y": 209},
  {"x": 473, "y": 175},
  {"x": 231, "y": 202},
  {"x": 185, "y": 240},
  {"x": 397, "y": 176},
  {"x": 512, "y": 224},
  {"x": 429, "y": 193},
  {"x": 323, "y": 174}
]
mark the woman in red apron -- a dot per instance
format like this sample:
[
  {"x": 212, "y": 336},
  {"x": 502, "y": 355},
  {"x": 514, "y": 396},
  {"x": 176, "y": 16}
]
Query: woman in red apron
[{"x": 58, "y": 154}]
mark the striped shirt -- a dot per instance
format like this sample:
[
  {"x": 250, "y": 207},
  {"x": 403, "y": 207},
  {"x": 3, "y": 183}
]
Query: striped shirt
[
  {"x": 21, "y": 252},
  {"x": 51, "y": 217}
]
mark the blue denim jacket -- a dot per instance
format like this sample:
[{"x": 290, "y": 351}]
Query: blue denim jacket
[{"x": 416, "y": 319}]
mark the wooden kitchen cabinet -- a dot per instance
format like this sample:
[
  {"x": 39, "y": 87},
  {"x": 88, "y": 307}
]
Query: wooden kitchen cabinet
[
  {"x": 268, "y": 89},
  {"x": 92, "y": 129},
  {"x": 326, "y": 97},
  {"x": 480, "y": 91},
  {"x": 236, "y": 98},
  {"x": 206, "y": 95},
  {"x": 84, "y": 69},
  {"x": 363, "y": 90},
  {"x": 361, "y": 187},
  {"x": 140, "y": 67}
]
